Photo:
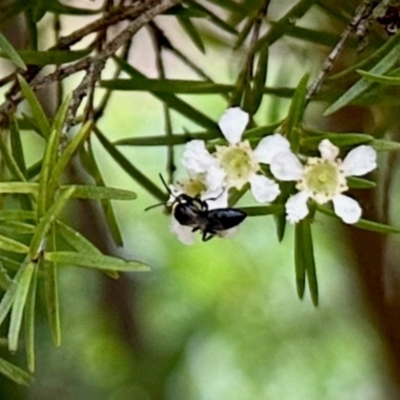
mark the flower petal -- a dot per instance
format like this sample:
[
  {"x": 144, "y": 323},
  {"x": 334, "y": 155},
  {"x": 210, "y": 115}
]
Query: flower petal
[
  {"x": 346, "y": 208},
  {"x": 328, "y": 150},
  {"x": 286, "y": 167},
  {"x": 216, "y": 199},
  {"x": 183, "y": 232},
  {"x": 269, "y": 147},
  {"x": 296, "y": 207},
  {"x": 359, "y": 161},
  {"x": 233, "y": 123},
  {"x": 214, "y": 178},
  {"x": 229, "y": 233},
  {"x": 174, "y": 192},
  {"x": 195, "y": 158},
  {"x": 263, "y": 189}
]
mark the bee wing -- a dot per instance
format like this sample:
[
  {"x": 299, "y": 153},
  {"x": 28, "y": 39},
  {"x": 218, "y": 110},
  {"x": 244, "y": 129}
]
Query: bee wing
[{"x": 221, "y": 219}]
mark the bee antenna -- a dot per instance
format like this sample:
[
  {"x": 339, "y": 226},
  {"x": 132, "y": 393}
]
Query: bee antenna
[
  {"x": 154, "y": 206},
  {"x": 168, "y": 190},
  {"x": 165, "y": 184}
]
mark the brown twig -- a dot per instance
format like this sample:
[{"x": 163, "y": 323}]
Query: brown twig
[
  {"x": 362, "y": 13},
  {"x": 86, "y": 85},
  {"x": 154, "y": 8}
]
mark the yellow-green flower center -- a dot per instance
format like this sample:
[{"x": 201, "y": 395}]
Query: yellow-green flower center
[
  {"x": 322, "y": 179},
  {"x": 237, "y": 162},
  {"x": 193, "y": 187}
]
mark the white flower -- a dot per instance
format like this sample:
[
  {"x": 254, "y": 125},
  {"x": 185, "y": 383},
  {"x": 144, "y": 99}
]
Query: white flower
[
  {"x": 202, "y": 166},
  {"x": 239, "y": 161},
  {"x": 322, "y": 178}
]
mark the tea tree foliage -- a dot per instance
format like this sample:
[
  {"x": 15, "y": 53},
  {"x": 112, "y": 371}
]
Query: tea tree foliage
[{"x": 37, "y": 237}]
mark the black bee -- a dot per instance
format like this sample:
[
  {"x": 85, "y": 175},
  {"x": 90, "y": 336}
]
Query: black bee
[{"x": 194, "y": 212}]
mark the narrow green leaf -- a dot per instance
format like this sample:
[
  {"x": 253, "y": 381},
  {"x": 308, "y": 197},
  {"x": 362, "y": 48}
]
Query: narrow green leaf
[
  {"x": 260, "y": 78},
  {"x": 36, "y": 13},
  {"x": 9, "y": 263},
  {"x": 191, "y": 31},
  {"x": 79, "y": 243},
  {"x": 30, "y": 123},
  {"x": 75, "y": 239},
  {"x": 368, "y": 62},
  {"x": 182, "y": 138},
  {"x": 51, "y": 294},
  {"x": 362, "y": 223},
  {"x": 34, "y": 170},
  {"x": 213, "y": 17},
  {"x": 376, "y": 227},
  {"x": 261, "y": 131},
  {"x": 304, "y": 260},
  {"x": 37, "y": 110},
  {"x": 16, "y": 146},
  {"x": 100, "y": 193},
  {"x": 232, "y": 6},
  {"x": 338, "y": 139},
  {"x": 61, "y": 115},
  {"x": 16, "y": 161},
  {"x": 127, "y": 166},
  {"x": 354, "y": 182},
  {"x": 296, "y": 111},
  {"x": 12, "y": 245},
  {"x": 58, "y": 8},
  {"x": 11, "y": 228},
  {"x": 89, "y": 163},
  {"x": 185, "y": 12},
  {"x": 363, "y": 85},
  {"x": 67, "y": 154},
  {"x": 284, "y": 92},
  {"x": 280, "y": 27},
  {"x": 170, "y": 100},
  {"x": 334, "y": 12},
  {"x": 18, "y": 306},
  {"x": 312, "y": 35},
  {"x": 17, "y": 214},
  {"x": 164, "y": 140},
  {"x": 51, "y": 289},
  {"x": 242, "y": 36},
  {"x": 280, "y": 219},
  {"x": 97, "y": 261},
  {"x": 383, "y": 79},
  {"x": 263, "y": 210},
  {"x": 385, "y": 145},
  {"x": 46, "y": 195},
  {"x": 33, "y": 15},
  {"x": 5, "y": 280},
  {"x": 299, "y": 260},
  {"x": 45, "y": 222},
  {"x": 14, "y": 373},
  {"x": 10, "y": 161},
  {"x": 11, "y": 53},
  {"x": 48, "y": 57},
  {"x": 19, "y": 187},
  {"x": 180, "y": 86},
  {"x": 8, "y": 298},
  {"x": 309, "y": 261},
  {"x": 29, "y": 319}
]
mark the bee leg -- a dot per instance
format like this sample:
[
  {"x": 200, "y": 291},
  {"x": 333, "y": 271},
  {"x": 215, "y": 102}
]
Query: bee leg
[{"x": 206, "y": 238}]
